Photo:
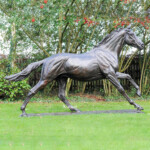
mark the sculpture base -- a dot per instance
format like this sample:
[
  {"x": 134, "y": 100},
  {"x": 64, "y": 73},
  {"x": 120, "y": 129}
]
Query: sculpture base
[{"x": 130, "y": 111}]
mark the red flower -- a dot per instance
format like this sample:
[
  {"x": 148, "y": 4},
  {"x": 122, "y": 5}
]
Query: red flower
[
  {"x": 85, "y": 22},
  {"x": 45, "y": 1},
  {"x": 147, "y": 19},
  {"x": 142, "y": 23},
  {"x": 127, "y": 22},
  {"x": 90, "y": 22},
  {"x": 33, "y": 20},
  {"x": 138, "y": 20},
  {"x": 131, "y": 17},
  {"x": 41, "y": 6},
  {"x": 122, "y": 23},
  {"x": 77, "y": 20},
  {"x": 125, "y": 1},
  {"x": 146, "y": 27}
]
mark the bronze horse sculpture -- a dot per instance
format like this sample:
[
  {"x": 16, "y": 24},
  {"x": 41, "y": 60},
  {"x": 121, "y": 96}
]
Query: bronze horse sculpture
[{"x": 99, "y": 63}]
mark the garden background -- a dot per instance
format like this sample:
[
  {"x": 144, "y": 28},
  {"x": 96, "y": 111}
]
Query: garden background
[{"x": 31, "y": 30}]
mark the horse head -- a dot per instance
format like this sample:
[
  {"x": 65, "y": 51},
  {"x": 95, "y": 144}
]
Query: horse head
[{"x": 132, "y": 40}]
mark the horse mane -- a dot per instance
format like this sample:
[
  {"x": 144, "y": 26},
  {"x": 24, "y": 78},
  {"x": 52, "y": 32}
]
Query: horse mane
[{"x": 107, "y": 37}]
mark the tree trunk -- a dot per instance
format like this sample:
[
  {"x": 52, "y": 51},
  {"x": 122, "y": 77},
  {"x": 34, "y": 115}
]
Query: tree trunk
[{"x": 13, "y": 44}]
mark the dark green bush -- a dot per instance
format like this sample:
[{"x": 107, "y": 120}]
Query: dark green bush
[{"x": 11, "y": 90}]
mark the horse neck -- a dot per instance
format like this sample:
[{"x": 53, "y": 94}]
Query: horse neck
[{"x": 115, "y": 44}]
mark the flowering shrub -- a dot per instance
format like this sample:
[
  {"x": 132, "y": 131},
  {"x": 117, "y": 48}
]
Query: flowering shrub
[
  {"x": 122, "y": 22},
  {"x": 127, "y": 1}
]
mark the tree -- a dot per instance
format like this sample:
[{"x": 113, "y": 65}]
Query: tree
[{"x": 74, "y": 26}]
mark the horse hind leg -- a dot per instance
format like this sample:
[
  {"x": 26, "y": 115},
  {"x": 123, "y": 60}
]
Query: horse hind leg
[
  {"x": 62, "y": 86},
  {"x": 41, "y": 84}
]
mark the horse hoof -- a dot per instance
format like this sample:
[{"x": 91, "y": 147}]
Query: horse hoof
[
  {"x": 140, "y": 108},
  {"x": 78, "y": 111},
  {"x": 75, "y": 110},
  {"x": 138, "y": 93},
  {"x": 23, "y": 115}
]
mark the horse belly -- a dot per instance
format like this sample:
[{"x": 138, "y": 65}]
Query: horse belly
[{"x": 84, "y": 69}]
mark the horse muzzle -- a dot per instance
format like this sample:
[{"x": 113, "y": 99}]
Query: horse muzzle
[{"x": 141, "y": 46}]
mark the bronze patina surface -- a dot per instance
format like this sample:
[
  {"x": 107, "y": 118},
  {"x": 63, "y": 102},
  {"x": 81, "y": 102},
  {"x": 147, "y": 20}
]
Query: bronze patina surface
[{"x": 99, "y": 63}]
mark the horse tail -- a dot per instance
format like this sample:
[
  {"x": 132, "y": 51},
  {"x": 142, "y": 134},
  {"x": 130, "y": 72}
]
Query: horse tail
[{"x": 25, "y": 72}]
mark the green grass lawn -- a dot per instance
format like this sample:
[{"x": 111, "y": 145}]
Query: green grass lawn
[{"x": 74, "y": 132}]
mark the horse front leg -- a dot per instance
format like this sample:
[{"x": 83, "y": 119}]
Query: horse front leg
[
  {"x": 113, "y": 79},
  {"x": 127, "y": 76},
  {"x": 62, "y": 86}
]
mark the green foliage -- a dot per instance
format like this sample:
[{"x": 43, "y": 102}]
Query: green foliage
[
  {"x": 132, "y": 92},
  {"x": 11, "y": 90},
  {"x": 73, "y": 20},
  {"x": 73, "y": 26}
]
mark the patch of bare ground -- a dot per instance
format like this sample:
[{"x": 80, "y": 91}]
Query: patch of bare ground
[{"x": 96, "y": 97}]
